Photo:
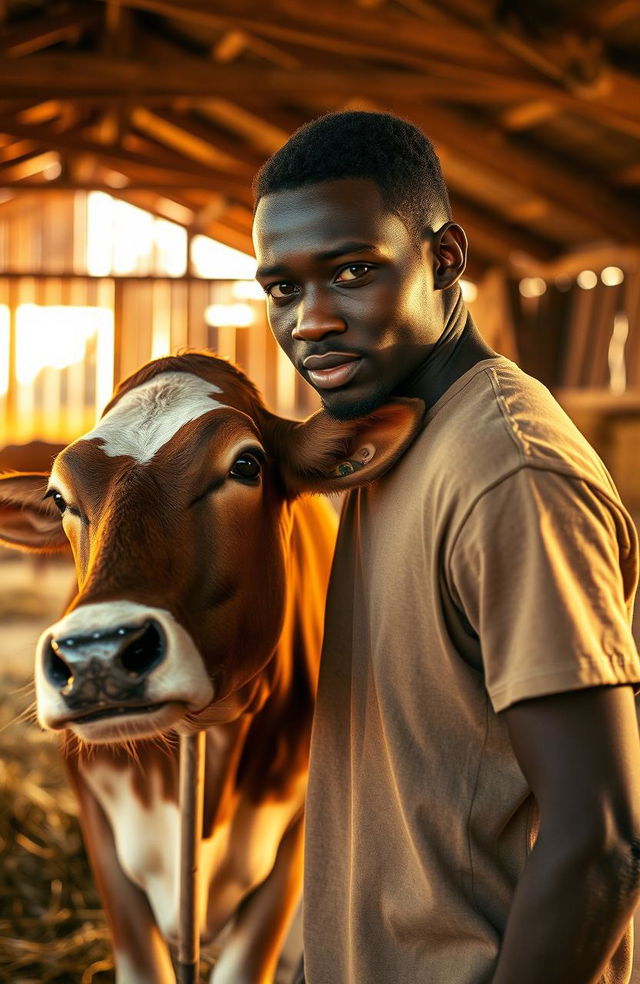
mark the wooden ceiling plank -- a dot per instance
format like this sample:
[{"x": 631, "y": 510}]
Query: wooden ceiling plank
[
  {"x": 614, "y": 14},
  {"x": 320, "y": 26},
  {"x": 188, "y": 138},
  {"x": 238, "y": 144},
  {"x": 14, "y": 149},
  {"x": 528, "y": 114},
  {"x": 35, "y": 33},
  {"x": 92, "y": 78},
  {"x": 263, "y": 133},
  {"x": 32, "y": 164},
  {"x": 498, "y": 236},
  {"x": 116, "y": 155},
  {"x": 230, "y": 46},
  {"x": 559, "y": 184}
]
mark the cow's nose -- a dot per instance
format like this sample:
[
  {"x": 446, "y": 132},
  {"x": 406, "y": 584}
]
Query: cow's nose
[{"x": 108, "y": 663}]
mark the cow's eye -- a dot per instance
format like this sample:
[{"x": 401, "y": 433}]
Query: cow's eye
[
  {"x": 57, "y": 498},
  {"x": 246, "y": 468}
]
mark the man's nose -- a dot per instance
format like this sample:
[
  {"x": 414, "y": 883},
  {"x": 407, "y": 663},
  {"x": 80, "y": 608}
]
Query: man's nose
[{"x": 316, "y": 318}]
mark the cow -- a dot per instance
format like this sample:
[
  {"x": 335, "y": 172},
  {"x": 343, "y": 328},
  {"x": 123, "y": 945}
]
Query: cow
[{"x": 202, "y": 558}]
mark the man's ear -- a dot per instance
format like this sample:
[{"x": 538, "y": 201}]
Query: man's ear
[
  {"x": 27, "y": 521},
  {"x": 449, "y": 249},
  {"x": 322, "y": 454}
]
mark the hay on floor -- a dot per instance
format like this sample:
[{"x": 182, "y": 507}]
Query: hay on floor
[{"x": 52, "y": 929}]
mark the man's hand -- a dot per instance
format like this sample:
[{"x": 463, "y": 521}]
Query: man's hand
[{"x": 580, "y": 753}]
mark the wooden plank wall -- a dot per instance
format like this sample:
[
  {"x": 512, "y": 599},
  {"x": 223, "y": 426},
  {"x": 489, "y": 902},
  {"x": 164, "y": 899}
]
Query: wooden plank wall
[{"x": 43, "y": 262}]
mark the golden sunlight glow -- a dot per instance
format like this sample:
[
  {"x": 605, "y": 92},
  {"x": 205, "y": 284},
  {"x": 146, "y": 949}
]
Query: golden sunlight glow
[
  {"x": 248, "y": 290},
  {"x": 617, "y": 366},
  {"x": 215, "y": 261},
  {"x": 469, "y": 291},
  {"x": 170, "y": 242},
  {"x": 233, "y": 315},
  {"x": 124, "y": 239},
  {"x": 53, "y": 337},
  {"x": 611, "y": 276},
  {"x": 532, "y": 287},
  {"x": 587, "y": 279},
  {"x": 5, "y": 320},
  {"x": 56, "y": 337}
]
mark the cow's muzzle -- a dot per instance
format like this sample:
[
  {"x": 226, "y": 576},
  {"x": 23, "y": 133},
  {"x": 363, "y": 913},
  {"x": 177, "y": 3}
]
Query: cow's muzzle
[{"x": 107, "y": 668}]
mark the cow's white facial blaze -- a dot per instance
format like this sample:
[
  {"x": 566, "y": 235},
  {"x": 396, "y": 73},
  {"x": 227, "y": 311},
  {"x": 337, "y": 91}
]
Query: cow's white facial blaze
[
  {"x": 150, "y": 415},
  {"x": 178, "y": 684}
]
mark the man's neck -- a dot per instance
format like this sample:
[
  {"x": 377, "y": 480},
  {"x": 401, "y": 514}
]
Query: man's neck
[{"x": 459, "y": 348}]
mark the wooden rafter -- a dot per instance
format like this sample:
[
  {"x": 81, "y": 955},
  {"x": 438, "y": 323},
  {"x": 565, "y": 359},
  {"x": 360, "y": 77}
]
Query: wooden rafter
[
  {"x": 319, "y": 26},
  {"x": 42, "y": 32},
  {"x": 136, "y": 164}
]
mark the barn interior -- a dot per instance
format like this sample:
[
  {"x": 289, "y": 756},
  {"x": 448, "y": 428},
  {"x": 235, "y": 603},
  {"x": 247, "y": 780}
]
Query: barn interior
[{"x": 129, "y": 134}]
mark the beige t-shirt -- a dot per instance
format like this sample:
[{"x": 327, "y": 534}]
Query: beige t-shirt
[{"x": 495, "y": 562}]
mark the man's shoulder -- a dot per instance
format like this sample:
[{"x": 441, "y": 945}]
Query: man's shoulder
[{"x": 493, "y": 421}]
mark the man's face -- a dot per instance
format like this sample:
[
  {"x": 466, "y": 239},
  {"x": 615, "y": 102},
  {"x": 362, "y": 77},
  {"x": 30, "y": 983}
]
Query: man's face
[{"x": 350, "y": 294}]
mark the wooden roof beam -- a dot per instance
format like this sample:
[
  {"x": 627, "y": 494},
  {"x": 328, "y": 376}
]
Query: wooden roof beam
[
  {"x": 319, "y": 26},
  {"x": 153, "y": 169},
  {"x": 527, "y": 114},
  {"x": 496, "y": 238},
  {"x": 14, "y": 172},
  {"x": 189, "y": 138},
  {"x": 266, "y": 134},
  {"x": 83, "y": 77},
  {"x": 35, "y": 33},
  {"x": 546, "y": 178}
]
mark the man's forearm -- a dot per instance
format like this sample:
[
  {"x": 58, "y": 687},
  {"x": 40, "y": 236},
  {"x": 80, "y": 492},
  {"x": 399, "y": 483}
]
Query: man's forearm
[{"x": 568, "y": 915}]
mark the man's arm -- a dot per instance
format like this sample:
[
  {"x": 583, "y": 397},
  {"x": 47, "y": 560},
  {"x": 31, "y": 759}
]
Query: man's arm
[{"x": 580, "y": 753}]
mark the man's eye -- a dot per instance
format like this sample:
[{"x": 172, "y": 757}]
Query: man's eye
[
  {"x": 247, "y": 468},
  {"x": 281, "y": 290},
  {"x": 352, "y": 272}
]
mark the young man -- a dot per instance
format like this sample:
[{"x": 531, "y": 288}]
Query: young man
[{"x": 474, "y": 801}]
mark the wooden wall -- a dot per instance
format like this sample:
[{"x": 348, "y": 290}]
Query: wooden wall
[{"x": 108, "y": 325}]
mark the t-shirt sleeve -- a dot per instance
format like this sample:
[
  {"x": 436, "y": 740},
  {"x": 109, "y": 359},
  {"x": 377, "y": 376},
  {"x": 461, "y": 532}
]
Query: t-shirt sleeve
[{"x": 544, "y": 568}]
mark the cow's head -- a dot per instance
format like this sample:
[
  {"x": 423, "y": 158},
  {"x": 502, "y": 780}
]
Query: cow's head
[{"x": 176, "y": 507}]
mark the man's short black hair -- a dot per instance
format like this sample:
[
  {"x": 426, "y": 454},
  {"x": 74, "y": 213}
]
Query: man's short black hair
[{"x": 384, "y": 148}]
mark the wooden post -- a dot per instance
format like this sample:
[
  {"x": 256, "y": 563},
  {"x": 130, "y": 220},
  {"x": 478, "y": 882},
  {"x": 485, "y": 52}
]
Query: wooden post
[{"x": 192, "y": 757}]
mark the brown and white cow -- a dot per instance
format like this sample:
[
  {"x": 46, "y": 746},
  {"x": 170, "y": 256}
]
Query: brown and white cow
[{"x": 202, "y": 570}]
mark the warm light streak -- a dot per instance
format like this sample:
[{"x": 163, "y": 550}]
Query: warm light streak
[
  {"x": 232, "y": 315},
  {"x": 587, "y": 279},
  {"x": 532, "y": 287},
  {"x": 611, "y": 276},
  {"x": 215, "y": 261},
  {"x": 247, "y": 290},
  {"x": 132, "y": 238},
  {"x": 617, "y": 365},
  {"x": 99, "y": 233},
  {"x": 56, "y": 337},
  {"x": 469, "y": 291},
  {"x": 52, "y": 171},
  {"x": 124, "y": 239},
  {"x": 286, "y": 376},
  {"x": 171, "y": 247},
  {"x": 5, "y": 320}
]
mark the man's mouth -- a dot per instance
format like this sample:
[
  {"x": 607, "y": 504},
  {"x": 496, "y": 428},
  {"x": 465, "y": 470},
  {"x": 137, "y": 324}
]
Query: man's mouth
[{"x": 331, "y": 370}]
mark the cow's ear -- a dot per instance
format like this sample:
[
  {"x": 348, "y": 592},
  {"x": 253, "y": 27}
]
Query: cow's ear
[
  {"x": 322, "y": 454},
  {"x": 27, "y": 520}
]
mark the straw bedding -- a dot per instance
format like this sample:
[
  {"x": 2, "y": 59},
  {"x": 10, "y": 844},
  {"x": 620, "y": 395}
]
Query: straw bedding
[{"x": 52, "y": 929}]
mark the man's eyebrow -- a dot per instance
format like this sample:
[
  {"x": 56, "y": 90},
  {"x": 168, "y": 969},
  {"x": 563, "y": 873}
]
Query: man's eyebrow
[{"x": 326, "y": 254}]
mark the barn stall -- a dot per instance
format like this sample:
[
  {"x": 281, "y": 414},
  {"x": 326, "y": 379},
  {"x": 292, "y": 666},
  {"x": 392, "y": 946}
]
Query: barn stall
[{"x": 129, "y": 133}]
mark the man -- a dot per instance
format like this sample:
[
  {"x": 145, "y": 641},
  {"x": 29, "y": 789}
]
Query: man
[{"x": 474, "y": 800}]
